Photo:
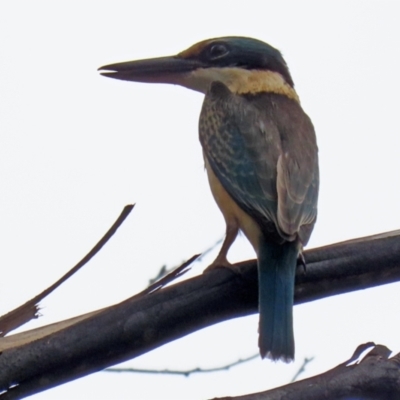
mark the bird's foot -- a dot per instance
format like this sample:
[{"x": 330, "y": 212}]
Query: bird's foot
[{"x": 219, "y": 262}]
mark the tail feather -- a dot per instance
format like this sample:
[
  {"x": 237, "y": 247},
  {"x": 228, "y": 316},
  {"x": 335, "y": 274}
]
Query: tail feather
[{"x": 276, "y": 274}]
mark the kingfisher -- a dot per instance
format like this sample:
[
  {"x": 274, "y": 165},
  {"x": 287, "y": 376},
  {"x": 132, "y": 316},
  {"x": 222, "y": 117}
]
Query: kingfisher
[{"x": 261, "y": 158}]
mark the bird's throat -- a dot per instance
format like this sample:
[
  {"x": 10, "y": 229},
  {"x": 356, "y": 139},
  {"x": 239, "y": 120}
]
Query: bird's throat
[{"x": 240, "y": 81}]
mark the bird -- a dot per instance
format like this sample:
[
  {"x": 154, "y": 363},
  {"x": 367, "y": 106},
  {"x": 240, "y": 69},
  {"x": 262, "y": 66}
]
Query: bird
[{"x": 261, "y": 158}]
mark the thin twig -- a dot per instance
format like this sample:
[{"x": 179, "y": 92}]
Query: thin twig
[
  {"x": 302, "y": 368},
  {"x": 210, "y": 249},
  {"x": 164, "y": 271},
  {"x": 184, "y": 373},
  {"x": 174, "y": 274}
]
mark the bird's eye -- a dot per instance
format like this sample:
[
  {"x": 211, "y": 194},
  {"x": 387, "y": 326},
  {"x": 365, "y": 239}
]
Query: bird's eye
[{"x": 218, "y": 51}]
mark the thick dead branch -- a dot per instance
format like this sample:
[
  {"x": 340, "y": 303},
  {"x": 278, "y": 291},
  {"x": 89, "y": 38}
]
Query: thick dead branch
[
  {"x": 375, "y": 377},
  {"x": 138, "y": 325}
]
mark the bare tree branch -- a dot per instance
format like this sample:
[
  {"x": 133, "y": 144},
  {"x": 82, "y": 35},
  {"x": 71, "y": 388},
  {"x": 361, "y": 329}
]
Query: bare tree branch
[
  {"x": 139, "y": 325},
  {"x": 29, "y": 310},
  {"x": 375, "y": 377}
]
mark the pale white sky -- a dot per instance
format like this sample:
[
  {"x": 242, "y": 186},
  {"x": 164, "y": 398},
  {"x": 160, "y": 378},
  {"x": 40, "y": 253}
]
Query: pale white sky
[{"x": 76, "y": 147}]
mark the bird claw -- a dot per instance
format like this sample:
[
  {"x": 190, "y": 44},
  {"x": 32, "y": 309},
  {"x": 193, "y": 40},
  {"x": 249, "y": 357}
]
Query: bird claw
[{"x": 218, "y": 263}]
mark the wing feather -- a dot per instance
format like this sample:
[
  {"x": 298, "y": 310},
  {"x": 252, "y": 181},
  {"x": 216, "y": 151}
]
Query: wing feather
[{"x": 262, "y": 149}]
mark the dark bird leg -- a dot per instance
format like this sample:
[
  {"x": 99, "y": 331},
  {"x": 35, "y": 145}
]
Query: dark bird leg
[{"x": 232, "y": 230}]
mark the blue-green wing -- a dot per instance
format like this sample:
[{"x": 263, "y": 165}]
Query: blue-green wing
[{"x": 262, "y": 149}]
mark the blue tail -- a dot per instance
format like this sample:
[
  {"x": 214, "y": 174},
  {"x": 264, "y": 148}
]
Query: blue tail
[{"x": 276, "y": 273}]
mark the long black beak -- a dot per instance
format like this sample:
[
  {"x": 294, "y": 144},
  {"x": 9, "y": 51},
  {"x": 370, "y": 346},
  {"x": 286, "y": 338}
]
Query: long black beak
[{"x": 154, "y": 70}]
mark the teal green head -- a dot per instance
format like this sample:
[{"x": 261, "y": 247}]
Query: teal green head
[{"x": 239, "y": 62}]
